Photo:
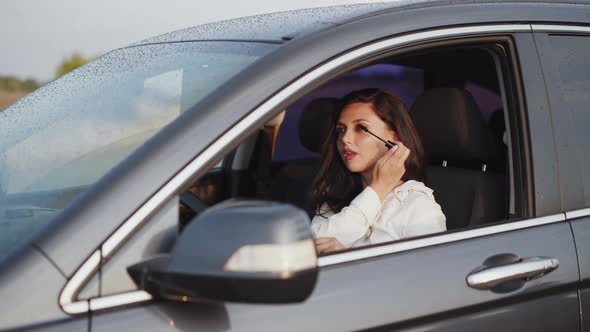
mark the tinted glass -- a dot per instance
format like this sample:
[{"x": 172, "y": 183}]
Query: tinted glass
[
  {"x": 570, "y": 55},
  {"x": 61, "y": 139}
]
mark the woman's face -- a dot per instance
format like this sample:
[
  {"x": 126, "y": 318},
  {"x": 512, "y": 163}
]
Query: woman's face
[{"x": 358, "y": 149}]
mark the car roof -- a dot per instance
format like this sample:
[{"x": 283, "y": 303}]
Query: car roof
[
  {"x": 283, "y": 26},
  {"x": 273, "y": 26}
]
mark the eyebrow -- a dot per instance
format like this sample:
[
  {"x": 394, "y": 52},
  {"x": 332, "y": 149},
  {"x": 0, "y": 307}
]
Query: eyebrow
[{"x": 354, "y": 121}]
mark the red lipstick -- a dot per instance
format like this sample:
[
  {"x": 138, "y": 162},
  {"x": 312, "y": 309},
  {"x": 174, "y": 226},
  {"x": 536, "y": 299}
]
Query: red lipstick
[{"x": 349, "y": 154}]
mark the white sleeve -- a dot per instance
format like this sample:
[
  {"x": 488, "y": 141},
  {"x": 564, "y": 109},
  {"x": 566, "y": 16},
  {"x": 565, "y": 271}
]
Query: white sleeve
[
  {"x": 353, "y": 222},
  {"x": 424, "y": 217}
]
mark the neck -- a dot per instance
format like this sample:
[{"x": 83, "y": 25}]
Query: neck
[{"x": 367, "y": 177}]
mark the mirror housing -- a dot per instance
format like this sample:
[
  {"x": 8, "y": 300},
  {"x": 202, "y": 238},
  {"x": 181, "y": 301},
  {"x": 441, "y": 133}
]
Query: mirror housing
[{"x": 239, "y": 251}]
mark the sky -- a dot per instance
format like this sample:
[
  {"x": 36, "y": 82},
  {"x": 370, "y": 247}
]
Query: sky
[{"x": 38, "y": 34}]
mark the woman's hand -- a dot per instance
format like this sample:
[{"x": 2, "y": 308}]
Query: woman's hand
[
  {"x": 389, "y": 169},
  {"x": 325, "y": 245}
]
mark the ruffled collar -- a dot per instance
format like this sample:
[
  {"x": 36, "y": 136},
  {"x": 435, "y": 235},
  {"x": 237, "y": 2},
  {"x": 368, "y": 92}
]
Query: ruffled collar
[{"x": 400, "y": 193}]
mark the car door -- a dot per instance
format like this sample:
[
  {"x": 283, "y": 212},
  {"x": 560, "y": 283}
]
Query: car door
[
  {"x": 427, "y": 284},
  {"x": 449, "y": 281},
  {"x": 563, "y": 51}
]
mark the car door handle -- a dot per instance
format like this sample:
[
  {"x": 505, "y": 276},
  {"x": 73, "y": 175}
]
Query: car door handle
[{"x": 524, "y": 269}]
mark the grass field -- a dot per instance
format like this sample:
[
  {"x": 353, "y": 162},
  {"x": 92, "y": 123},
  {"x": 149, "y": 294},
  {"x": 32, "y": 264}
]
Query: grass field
[{"x": 8, "y": 97}]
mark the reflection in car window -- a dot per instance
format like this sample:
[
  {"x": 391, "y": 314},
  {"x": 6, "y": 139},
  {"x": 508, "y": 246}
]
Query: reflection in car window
[{"x": 65, "y": 136}]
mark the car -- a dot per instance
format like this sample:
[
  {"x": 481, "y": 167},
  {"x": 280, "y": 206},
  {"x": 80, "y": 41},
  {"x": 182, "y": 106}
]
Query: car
[{"x": 163, "y": 185}]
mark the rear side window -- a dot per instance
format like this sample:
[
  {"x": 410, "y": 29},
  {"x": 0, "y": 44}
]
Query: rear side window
[{"x": 570, "y": 58}]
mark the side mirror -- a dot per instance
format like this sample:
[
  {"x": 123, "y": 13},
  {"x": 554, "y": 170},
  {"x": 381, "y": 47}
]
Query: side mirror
[{"x": 240, "y": 251}]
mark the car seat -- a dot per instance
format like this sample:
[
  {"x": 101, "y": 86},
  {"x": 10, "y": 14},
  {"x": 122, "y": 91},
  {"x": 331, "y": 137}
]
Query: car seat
[
  {"x": 465, "y": 167},
  {"x": 293, "y": 181}
]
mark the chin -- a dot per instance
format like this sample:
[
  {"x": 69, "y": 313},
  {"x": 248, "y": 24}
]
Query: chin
[{"x": 354, "y": 167}]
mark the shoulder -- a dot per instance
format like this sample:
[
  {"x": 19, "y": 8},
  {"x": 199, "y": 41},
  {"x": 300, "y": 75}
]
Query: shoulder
[
  {"x": 413, "y": 197},
  {"x": 411, "y": 191},
  {"x": 415, "y": 209},
  {"x": 421, "y": 202}
]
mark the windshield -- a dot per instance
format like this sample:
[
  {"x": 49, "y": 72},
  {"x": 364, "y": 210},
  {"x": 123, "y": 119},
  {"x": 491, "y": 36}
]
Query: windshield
[{"x": 62, "y": 138}]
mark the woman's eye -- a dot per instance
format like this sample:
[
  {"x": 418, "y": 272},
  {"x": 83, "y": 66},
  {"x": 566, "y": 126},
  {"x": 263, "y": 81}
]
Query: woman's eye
[
  {"x": 359, "y": 128},
  {"x": 339, "y": 131}
]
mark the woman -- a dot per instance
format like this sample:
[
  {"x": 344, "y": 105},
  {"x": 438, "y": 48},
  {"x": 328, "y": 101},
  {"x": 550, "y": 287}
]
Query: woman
[{"x": 365, "y": 192}]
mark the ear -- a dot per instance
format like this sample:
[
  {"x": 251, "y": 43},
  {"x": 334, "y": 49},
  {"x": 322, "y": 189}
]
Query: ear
[{"x": 394, "y": 137}]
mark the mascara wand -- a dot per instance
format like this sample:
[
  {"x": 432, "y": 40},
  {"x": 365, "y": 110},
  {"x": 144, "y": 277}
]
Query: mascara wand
[{"x": 389, "y": 144}]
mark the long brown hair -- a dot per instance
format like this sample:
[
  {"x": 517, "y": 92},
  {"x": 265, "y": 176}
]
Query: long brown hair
[{"x": 335, "y": 185}]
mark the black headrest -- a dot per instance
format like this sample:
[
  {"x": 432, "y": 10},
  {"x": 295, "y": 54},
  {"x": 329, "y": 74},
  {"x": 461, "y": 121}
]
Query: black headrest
[
  {"x": 452, "y": 127},
  {"x": 314, "y": 122}
]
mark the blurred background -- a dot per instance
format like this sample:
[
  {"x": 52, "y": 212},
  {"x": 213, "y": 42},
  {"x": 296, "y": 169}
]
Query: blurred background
[{"x": 42, "y": 40}]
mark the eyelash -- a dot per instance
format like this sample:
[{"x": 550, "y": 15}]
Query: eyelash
[{"x": 341, "y": 130}]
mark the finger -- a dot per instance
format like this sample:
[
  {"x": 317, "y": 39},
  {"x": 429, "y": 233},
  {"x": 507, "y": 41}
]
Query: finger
[
  {"x": 396, "y": 149},
  {"x": 322, "y": 247},
  {"x": 397, "y": 143},
  {"x": 331, "y": 244},
  {"x": 401, "y": 162},
  {"x": 399, "y": 154},
  {"x": 335, "y": 246},
  {"x": 406, "y": 155},
  {"x": 323, "y": 239},
  {"x": 393, "y": 150},
  {"x": 326, "y": 248},
  {"x": 400, "y": 147},
  {"x": 383, "y": 159},
  {"x": 403, "y": 154},
  {"x": 389, "y": 154}
]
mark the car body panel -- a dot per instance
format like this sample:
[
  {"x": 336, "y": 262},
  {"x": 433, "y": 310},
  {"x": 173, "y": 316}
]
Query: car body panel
[
  {"x": 407, "y": 290},
  {"x": 30, "y": 285},
  {"x": 547, "y": 195},
  {"x": 75, "y": 324}
]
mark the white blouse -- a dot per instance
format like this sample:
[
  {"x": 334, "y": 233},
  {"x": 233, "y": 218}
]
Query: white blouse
[{"x": 409, "y": 210}]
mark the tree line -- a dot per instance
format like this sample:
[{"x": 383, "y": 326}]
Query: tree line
[
  {"x": 14, "y": 84},
  {"x": 13, "y": 88}
]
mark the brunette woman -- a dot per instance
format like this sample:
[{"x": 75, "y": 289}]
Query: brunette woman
[{"x": 368, "y": 191}]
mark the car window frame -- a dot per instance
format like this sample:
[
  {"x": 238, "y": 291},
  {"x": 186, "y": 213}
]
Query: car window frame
[{"x": 231, "y": 138}]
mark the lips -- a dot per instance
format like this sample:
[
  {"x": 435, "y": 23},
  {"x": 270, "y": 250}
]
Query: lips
[{"x": 349, "y": 154}]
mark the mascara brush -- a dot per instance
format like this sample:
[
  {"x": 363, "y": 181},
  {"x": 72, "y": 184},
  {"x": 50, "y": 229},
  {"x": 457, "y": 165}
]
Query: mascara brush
[{"x": 389, "y": 144}]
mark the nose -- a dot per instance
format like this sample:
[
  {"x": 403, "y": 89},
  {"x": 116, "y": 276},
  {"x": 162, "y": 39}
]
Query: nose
[{"x": 346, "y": 137}]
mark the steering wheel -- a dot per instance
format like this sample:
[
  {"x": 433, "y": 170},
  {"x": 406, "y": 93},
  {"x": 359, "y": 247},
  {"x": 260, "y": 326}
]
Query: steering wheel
[{"x": 193, "y": 202}]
